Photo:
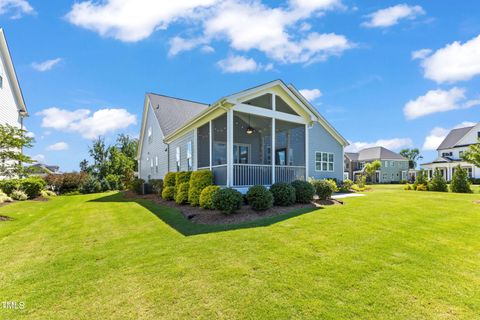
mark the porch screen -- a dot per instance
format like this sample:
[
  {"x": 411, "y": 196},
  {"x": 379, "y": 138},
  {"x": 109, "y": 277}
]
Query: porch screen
[
  {"x": 252, "y": 139},
  {"x": 289, "y": 143},
  {"x": 203, "y": 146},
  {"x": 219, "y": 149}
]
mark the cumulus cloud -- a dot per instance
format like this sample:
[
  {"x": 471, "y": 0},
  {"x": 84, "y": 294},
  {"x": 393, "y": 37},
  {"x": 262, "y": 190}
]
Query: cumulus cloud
[
  {"x": 311, "y": 94},
  {"x": 59, "y": 146},
  {"x": 421, "y": 54},
  {"x": 438, "y": 134},
  {"x": 17, "y": 8},
  {"x": 39, "y": 158},
  {"x": 454, "y": 62},
  {"x": 46, "y": 65},
  {"x": 392, "y": 144},
  {"x": 83, "y": 121},
  {"x": 438, "y": 101},
  {"x": 392, "y": 15},
  {"x": 235, "y": 64}
]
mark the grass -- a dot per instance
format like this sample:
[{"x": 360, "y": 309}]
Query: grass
[{"x": 392, "y": 254}]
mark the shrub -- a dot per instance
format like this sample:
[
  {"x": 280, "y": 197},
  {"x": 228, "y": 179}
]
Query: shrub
[
  {"x": 181, "y": 195},
  {"x": 259, "y": 198},
  {"x": 361, "y": 181},
  {"x": 460, "y": 181},
  {"x": 182, "y": 177},
  {"x": 346, "y": 185},
  {"x": 206, "y": 197},
  {"x": 157, "y": 185},
  {"x": 8, "y": 186},
  {"x": 168, "y": 193},
  {"x": 114, "y": 182},
  {"x": 333, "y": 184},
  {"x": 199, "y": 180},
  {"x": 421, "y": 187},
  {"x": 283, "y": 194},
  {"x": 407, "y": 187},
  {"x": 105, "y": 185},
  {"x": 438, "y": 182},
  {"x": 4, "y": 198},
  {"x": 19, "y": 195},
  {"x": 420, "y": 179},
  {"x": 323, "y": 189},
  {"x": 32, "y": 186},
  {"x": 227, "y": 200},
  {"x": 357, "y": 188},
  {"x": 169, "y": 179},
  {"x": 92, "y": 185},
  {"x": 48, "y": 193},
  {"x": 304, "y": 191},
  {"x": 137, "y": 185}
]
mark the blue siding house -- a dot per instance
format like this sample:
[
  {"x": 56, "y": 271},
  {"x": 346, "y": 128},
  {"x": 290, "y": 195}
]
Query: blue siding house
[{"x": 266, "y": 134}]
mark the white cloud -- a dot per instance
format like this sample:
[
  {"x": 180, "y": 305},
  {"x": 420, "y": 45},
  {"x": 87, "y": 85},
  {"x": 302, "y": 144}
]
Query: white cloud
[
  {"x": 17, "y": 7},
  {"x": 392, "y": 144},
  {"x": 438, "y": 101},
  {"x": 465, "y": 124},
  {"x": 436, "y": 136},
  {"x": 392, "y": 15},
  {"x": 82, "y": 121},
  {"x": 39, "y": 158},
  {"x": 421, "y": 54},
  {"x": 311, "y": 94},
  {"x": 45, "y": 65},
  {"x": 234, "y": 64},
  {"x": 59, "y": 146},
  {"x": 454, "y": 62}
]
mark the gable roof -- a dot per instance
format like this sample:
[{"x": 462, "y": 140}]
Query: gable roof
[
  {"x": 453, "y": 137},
  {"x": 172, "y": 113},
  {"x": 353, "y": 156},
  {"x": 378, "y": 153},
  {"x": 12, "y": 76}
]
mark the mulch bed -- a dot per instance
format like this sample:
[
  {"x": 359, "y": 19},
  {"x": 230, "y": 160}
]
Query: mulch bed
[{"x": 245, "y": 214}]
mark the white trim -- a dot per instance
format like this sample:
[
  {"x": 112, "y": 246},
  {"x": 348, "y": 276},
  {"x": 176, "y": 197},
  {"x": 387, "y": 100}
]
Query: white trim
[
  {"x": 306, "y": 151},
  {"x": 229, "y": 147},
  {"x": 210, "y": 146},
  {"x": 268, "y": 113},
  {"x": 272, "y": 150},
  {"x": 327, "y": 162},
  {"x": 195, "y": 153}
]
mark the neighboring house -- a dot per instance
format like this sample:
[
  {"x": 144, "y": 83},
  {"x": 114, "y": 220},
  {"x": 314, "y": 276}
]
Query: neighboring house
[
  {"x": 394, "y": 167},
  {"x": 234, "y": 138},
  {"x": 41, "y": 169},
  {"x": 450, "y": 153}
]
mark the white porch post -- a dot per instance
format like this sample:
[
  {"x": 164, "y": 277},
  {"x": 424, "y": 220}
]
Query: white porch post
[
  {"x": 230, "y": 181},
  {"x": 273, "y": 153},
  {"x": 307, "y": 151},
  {"x": 210, "y": 145},
  {"x": 194, "y": 151}
]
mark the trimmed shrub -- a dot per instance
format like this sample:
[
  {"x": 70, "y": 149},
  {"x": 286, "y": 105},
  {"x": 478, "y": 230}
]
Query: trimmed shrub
[
  {"x": 407, "y": 187},
  {"x": 361, "y": 181},
  {"x": 460, "y": 183},
  {"x": 170, "y": 179},
  {"x": 421, "y": 187},
  {"x": 32, "y": 186},
  {"x": 227, "y": 200},
  {"x": 283, "y": 194},
  {"x": 333, "y": 184},
  {"x": 438, "y": 182},
  {"x": 358, "y": 188},
  {"x": 259, "y": 198},
  {"x": 157, "y": 185},
  {"x": 181, "y": 196},
  {"x": 92, "y": 185},
  {"x": 420, "y": 179},
  {"x": 8, "y": 186},
  {"x": 48, "y": 193},
  {"x": 182, "y": 177},
  {"x": 19, "y": 195},
  {"x": 304, "y": 191},
  {"x": 137, "y": 185},
  {"x": 113, "y": 181},
  {"x": 206, "y": 197},
  {"x": 323, "y": 189},
  {"x": 346, "y": 185},
  {"x": 168, "y": 193},
  {"x": 199, "y": 180}
]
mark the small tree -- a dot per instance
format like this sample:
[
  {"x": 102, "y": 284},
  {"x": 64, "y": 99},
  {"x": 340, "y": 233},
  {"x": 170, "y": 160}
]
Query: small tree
[
  {"x": 460, "y": 183},
  {"x": 413, "y": 155},
  {"x": 12, "y": 142},
  {"x": 420, "y": 179},
  {"x": 472, "y": 154},
  {"x": 438, "y": 182},
  {"x": 371, "y": 168}
]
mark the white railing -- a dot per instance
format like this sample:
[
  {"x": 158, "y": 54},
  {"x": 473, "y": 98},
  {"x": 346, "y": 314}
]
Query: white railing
[
  {"x": 289, "y": 173},
  {"x": 252, "y": 174}
]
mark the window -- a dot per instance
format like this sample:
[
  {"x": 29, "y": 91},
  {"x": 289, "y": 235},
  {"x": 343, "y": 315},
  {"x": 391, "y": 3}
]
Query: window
[
  {"x": 177, "y": 158},
  {"x": 447, "y": 154},
  {"x": 1, "y": 83},
  {"x": 324, "y": 161},
  {"x": 149, "y": 135},
  {"x": 392, "y": 164},
  {"x": 189, "y": 156},
  {"x": 478, "y": 134},
  {"x": 386, "y": 164},
  {"x": 241, "y": 153},
  {"x": 469, "y": 172},
  {"x": 151, "y": 165},
  {"x": 156, "y": 164}
]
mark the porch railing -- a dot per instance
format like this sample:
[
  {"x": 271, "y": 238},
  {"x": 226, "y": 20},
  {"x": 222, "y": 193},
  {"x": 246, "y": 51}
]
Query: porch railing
[
  {"x": 289, "y": 173},
  {"x": 252, "y": 174}
]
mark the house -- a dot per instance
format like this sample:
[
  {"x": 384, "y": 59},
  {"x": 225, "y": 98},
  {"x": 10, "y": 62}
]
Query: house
[
  {"x": 450, "y": 153},
  {"x": 262, "y": 135},
  {"x": 41, "y": 169},
  {"x": 394, "y": 167}
]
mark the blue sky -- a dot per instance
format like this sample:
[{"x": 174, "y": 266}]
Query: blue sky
[{"x": 395, "y": 73}]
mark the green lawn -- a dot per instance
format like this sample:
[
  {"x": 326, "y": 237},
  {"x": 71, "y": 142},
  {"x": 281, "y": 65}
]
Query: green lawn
[{"x": 393, "y": 254}]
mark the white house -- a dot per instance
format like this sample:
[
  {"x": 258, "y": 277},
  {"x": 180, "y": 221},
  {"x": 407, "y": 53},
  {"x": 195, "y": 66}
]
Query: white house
[
  {"x": 450, "y": 153},
  {"x": 262, "y": 135}
]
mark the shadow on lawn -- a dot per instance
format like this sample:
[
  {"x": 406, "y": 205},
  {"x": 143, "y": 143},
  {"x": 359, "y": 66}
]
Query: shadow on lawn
[{"x": 175, "y": 219}]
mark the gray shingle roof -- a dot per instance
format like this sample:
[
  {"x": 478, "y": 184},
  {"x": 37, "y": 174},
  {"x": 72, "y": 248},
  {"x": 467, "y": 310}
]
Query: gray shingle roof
[
  {"x": 352, "y": 155},
  {"x": 378, "y": 153},
  {"x": 172, "y": 113},
  {"x": 453, "y": 137}
]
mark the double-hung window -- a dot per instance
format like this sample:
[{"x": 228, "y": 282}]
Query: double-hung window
[
  {"x": 156, "y": 164},
  {"x": 189, "y": 156},
  {"x": 324, "y": 161},
  {"x": 177, "y": 158}
]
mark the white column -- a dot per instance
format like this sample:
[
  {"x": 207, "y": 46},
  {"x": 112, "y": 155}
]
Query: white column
[
  {"x": 210, "y": 145},
  {"x": 307, "y": 151},
  {"x": 273, "y": 153},
  {"x": 194, "y": 151},
  {"x": 230, "y": 148}
]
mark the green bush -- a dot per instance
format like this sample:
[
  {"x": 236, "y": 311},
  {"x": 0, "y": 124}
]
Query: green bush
[
  {"x": 421, "y": 178},
  {"x": 32, "y": 186},
  {"x": 92, "y": 185},
  {"x": 4, "y": 198},
  {"x": 182, "y": 177},
  {"x": 48, "y": 193},
  {"x": 304, "y": 191},
  {"x": 460, "y": 183},
  {"x": 361, "y": 181},
  {"x": 168, "y": 193},
  {"x": 66, "y": 182},
  {"x": 227, "y": 200},
  {"x": 407, "y": 187},
  {"x": 199, "y": 180},
  {"x": 421, "y": 187},
  {"x": 19, "y": 195},
  {"x": 283, "y": 194},
  {"x": 181, "y": 195},
  {"x": 206, "y": 197},
  {"x": 438, "y": 182},
  {"x": 157, "y": 186},
  {"x": 323, "y": 189},
  {"x": 169, "y": 179},
  {"x": 137, "y": 185},
  {"x": 333, "y": 184},
  {"x": 114, "y": 182},
  {"x": 346, "y": 185},
  {"x": 259, "y": 198},
  {"x": 105, "y": 185},
  {"x": 8, "y": 186}
]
